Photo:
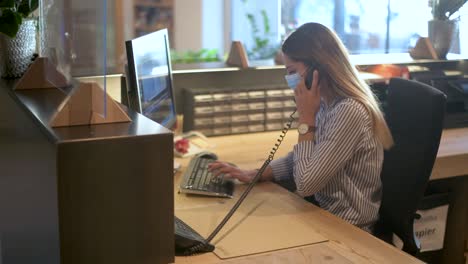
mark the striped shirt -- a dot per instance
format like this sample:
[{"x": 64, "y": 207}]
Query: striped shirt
[{"x": 341, "y": 168}]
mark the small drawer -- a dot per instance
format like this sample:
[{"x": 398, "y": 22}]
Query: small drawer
[
  {"x": 256, "y": 127},
  {"x": 240, "y": 107},
  {"x": 274, "y": 93},
  {"x": 239, "y": 118},
  {"x": 222, "y": 119},
  {"x": 222, "y": 108},
  {"x": 256, "y": 94},
  {"x": 288, "y": 93},
  {"x": 289, "y": 103},
  {"x": 257, "y": 117},
  {"x": 257, "y": 105},
  {"x": 274, "y": 115},
  {"x": 239, "y": 96},
  {"x": 203, "y": 121},
  {"x": 222, "y": 97},
  {"x": 275, "y": 104},
  {"x": 203, "y": 110},
  {"x": 201, "y": 98},
  {"x": 287, "y": 114},
  {"x": 274, "y": 126},
  {"x": 240, "y": 129},
  {"x": 222, "y": 130}
]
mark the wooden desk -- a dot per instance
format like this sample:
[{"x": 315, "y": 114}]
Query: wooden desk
[
  {"x": 250, "y": 150},
  {"x": 346, "y": 243},
  {"x": 452, "y": 158},
  {"x": 450, "y": 175}
]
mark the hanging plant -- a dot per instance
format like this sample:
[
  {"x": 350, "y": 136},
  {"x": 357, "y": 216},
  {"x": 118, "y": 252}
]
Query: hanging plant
[{"x": 12, "y": 13}]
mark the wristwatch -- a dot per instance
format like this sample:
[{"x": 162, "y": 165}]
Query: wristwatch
[{"x": 304, "y": 128}]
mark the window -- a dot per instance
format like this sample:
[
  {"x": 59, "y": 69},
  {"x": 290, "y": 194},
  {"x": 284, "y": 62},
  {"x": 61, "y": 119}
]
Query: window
[
  {"x": 364, "y": 26},
  {"x": 257, "y": 25}
]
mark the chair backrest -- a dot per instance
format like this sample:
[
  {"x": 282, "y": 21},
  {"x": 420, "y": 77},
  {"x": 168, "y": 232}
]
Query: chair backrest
[{"x": 414, "y": 112}]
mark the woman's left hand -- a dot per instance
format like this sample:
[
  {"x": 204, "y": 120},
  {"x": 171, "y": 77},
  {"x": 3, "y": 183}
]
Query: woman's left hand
[
  {"x": 221, "y": 169},
  {"x": 308, "y": 101}
]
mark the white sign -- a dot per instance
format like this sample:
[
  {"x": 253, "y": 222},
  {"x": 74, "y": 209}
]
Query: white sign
[{"x": 429, "y": 229}]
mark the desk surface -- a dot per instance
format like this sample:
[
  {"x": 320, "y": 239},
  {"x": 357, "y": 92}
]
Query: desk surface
[
  {"x": 452, "y": 158},
  {"x": 346, "y": 243},
  {"x": 249, "y": 150}
]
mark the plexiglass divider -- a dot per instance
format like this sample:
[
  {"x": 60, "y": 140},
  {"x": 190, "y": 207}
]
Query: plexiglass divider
[{"x": 73, "y": 44}]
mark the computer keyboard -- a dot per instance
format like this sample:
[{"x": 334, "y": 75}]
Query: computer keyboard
[{"x": 198, "y": 180}]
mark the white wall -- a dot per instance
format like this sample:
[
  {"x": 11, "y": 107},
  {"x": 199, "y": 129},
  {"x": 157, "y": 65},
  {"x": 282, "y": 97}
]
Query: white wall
[
  {"x": 188, "y": 24},
  {"x": 199, "y": 24},
  {"x": 213, "y": 24}
]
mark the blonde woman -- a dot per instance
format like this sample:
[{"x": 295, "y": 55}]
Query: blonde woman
[{"x": 338, "y": 158}]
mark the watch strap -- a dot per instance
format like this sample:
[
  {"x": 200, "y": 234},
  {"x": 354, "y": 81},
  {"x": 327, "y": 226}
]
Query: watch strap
[{"x": 310, "y": 128}]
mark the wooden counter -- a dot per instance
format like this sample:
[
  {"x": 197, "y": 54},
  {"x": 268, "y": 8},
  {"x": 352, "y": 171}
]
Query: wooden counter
[
  {"x": 250, "y": 150},
  {"x": 452, "y": 158},
  {"x": 345, "y": 242}
]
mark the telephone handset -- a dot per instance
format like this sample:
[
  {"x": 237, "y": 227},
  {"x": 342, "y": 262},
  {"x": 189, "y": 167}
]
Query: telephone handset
[
  {"x": 189, "y": 242},
  {"x": 309, "y": 76}
]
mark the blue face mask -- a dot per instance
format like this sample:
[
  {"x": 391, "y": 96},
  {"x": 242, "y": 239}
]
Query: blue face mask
[{"x": 293, "y": 80}]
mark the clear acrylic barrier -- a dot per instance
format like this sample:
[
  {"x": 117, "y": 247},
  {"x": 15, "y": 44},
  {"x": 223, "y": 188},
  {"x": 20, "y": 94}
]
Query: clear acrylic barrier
[{"x": 73, "y": 40}]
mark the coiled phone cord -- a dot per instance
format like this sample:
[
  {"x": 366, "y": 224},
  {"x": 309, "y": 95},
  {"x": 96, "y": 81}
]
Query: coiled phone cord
[{"x": 280, "y": 139}]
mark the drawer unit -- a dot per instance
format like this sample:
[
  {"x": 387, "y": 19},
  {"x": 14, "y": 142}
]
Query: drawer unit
[{"x": 237, "y": 110}]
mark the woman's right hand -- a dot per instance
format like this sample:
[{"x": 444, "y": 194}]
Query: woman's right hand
[
  {"x": 308, "y": 101},
  {"x": 219, "y": 168}
]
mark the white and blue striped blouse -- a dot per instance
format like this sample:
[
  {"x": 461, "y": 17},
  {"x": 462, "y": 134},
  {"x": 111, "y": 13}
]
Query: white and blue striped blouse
[{"x": 341, "y": 168}]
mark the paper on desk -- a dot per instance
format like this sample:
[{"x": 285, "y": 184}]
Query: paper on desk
[{"x": 264, "y": 222}]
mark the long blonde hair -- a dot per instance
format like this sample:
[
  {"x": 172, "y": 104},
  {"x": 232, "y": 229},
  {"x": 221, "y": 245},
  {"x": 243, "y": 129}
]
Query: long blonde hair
[{"x": 317, "y": 46}]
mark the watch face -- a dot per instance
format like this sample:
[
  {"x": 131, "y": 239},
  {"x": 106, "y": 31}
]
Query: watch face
[{"x": 303, "y": 129}]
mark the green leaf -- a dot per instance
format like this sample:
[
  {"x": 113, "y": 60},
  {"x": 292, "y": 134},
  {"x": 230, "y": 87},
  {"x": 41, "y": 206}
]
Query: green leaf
[
  {"x": 266, "y": 21},
  {"x": 252, "y": 22},
  {"x": 7, "y": 3},
  {"x": 34, "y": 4},
  {"x": 10, "y": 22},
  {"x": 212, "y": 54},
  {"x": 26, "y": 7}
]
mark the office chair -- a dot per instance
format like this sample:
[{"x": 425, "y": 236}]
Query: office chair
[{"x": 414, "y": 113}]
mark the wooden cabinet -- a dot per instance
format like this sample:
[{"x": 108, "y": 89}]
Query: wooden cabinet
[{"x": 82, "y": 194}]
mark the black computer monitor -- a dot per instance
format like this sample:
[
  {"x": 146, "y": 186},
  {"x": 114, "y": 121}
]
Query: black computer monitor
[{"x": 149, "y": 77}]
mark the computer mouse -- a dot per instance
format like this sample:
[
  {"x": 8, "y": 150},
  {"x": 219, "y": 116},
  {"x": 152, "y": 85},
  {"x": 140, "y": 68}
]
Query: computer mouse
[{"x": 207, "y": 155}]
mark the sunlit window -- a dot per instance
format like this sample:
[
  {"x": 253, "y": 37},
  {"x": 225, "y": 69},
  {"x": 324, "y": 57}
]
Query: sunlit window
[{"x": 364, "y": 26}]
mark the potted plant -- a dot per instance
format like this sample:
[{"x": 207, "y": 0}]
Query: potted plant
[
  {"x": 443, "y": 26},
  {"x": 17, "y": 36},
  {"x": 262, "y": 48}
]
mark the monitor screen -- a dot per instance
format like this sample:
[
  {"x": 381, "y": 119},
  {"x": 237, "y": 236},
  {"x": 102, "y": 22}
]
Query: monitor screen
[{"x": 149, "y": 77}]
